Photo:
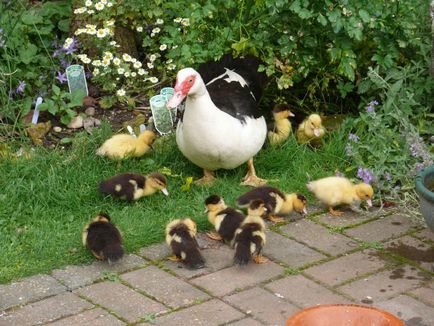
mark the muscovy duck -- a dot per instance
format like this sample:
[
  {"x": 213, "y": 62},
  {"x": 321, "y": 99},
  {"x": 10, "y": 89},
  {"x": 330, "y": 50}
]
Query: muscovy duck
[{"x": 222, "y": 126}]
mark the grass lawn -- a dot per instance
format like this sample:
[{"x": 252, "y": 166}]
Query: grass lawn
[{"x": 46, "y": 199}]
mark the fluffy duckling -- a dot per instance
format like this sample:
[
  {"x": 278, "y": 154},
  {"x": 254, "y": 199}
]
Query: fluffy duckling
[
  {"x": 131, "y": 186},
  {"x": 275, "y": 201},
  {"x": 225, "y": 219},
  {"x": 281, "y": 126},
  {"x": 250, "y": 236},
  {"x": 181, "y": 238},
  {"x": 310, "y": 130},
  {"x": 123, "y": 146},
  {"x": 334, "y": 191},
  {"x": 103, "y": 239}
]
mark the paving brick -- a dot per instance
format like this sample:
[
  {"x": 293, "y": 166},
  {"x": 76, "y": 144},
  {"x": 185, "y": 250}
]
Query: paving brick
[
  {"x": 411, "y": 311},
  {"x": 347, "y": 267},
  {"x": 211, "y": 313},
  {"x": 94, "y": 317},
  {"x": 382, "y": 229},
  {"x": 164, "y": 287},
  {"x": 81, "y": 275},
  {"x": 413, "y": 249},
  {"x": 319, "y": 237},
  {"x": 216, "y": 259},
  {"x": 29, "y": 289},
  {"x": 262, "y": 305},
  {"x": 246, "y": 322},
  {"x": 289, "y": 251},
  {"x": 46, "y": 310},
  {"x": 348, "y": 218},
  {"x": 122, "y": 300},
  {"x": 228, "y": 280},
  {"x": 384, "y": 285},
  {"x": 425, "y": 293},
  {"x": 304, "y": 292},
  {"x": 425, "y": 234},
  {"x": 155, "y": 252}
]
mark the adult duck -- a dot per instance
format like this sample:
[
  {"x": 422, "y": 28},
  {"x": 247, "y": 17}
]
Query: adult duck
[{"x": 222, "y": 126}]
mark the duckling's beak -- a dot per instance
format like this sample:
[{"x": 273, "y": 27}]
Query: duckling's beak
[
  {"x": 290, "y": 114},
  {"x": 206, "y": 210},
  {"x": 369, "y": 202},
  {"x": 165, "y": 192},
  {"x": 304, "y": 211},
  {"x": 316, "y": 132}
]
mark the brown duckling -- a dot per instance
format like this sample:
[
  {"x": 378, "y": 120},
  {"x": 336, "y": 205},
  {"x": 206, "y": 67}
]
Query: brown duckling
[{"x": 131, "y": 186}]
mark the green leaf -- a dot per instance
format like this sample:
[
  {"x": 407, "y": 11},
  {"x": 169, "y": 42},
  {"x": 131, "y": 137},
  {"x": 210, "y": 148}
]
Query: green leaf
[
  {"x": 63, "y": 25},
  {"x": 28, "y": 53},
  {"x": 31, "y": 17},
  {"x": 364, "y": 15},
  {"x": 322, "y": 20},
  {"x": 77, "y": 98},
  {"x": 65, "y": 140},
  {"x": 56, "y": 90},
  {"x": 107, "y": 102}
]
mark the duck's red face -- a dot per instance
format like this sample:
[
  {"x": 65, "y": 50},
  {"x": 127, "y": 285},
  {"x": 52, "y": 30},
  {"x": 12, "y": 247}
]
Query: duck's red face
[{"x": 182, "y": 88}]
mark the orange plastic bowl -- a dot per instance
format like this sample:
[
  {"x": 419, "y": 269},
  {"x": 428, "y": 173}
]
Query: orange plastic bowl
[{"x": 343, "y": 315}]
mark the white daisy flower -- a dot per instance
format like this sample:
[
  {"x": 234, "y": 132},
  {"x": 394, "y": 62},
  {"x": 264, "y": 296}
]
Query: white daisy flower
[
  {"x": 80, "y": 10},
  {"x": 109, "y": 4},
  {"x": 133, "y": 60},
  {"x": 116, "y": 61},
  {"x": 159, "y": 21},
  {"x": 105, "y": 62},
  {"x": 88, "y": 3},
  {"x": 121, "y": 71},
  {"x": 110, "y": 22},
  {"x": 156, "y": 30},
  {"x": 113, "y": 43},
  {"x": 90, "y": 11},
  {"x": 177, "y": 20},
  {"x": 137, "y": 65},
  {"x": 141, "y": 71},
  {"x": 91, "y": 29},
  {"x": 101, "y": 33},
  {"x": 80, "y": 31},
  {"x": 127, "y": 74},
  {"x": 126, "y": 57},
  {"x": 104, "y": 2},
  {"x": 139, "y": 29},
  {"x": 133, "y": 74},
  {"x": 169, "y": 61},
  {"x": 67, "y": 43},
  {"x": 96, "y": 72},
  {"x": 96, "y": 63},
  {"x": 174, "y": 47},
  {"x": 120, "y": 92},
  {"x": 185, "y": 22},
  {"x": 117, "y": 78},
  {"x": 171, "y": 66},
  {"x": 163, "y": 47},
  {"x": 152, "y": 34},
  {"x": 99, "y": 6},
  {"x": 150, "y": 65},
  {"x": 153, "y": 80},
  {"x": 152, "y": 57},
  {"x": 108, "y": 55}
]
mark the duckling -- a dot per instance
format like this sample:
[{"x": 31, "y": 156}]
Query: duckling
[
  {"x": 334, "y": 191},
  {"x": 181, "y": 238},
  {"x": 250, "y": 236},
  {"x": 131, "y": 186},
  {"x": 103, "y": 239},
  {"x": 275, "y": 201},
  {"x": 281, "y": 126},
  {"x": 123, "y": 146},
  {"x": 310, "y": 130},
  {"x": 225, "y": 219}
]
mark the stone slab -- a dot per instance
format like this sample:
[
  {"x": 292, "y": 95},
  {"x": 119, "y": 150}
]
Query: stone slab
[
  {"x": 425, "y": 293},
  {"x": 93, "y": 317},
  {"x": 164, "y": 287},
  {"x": 303, "y": 292},
  {"x": 349, "y": 218},
  {"x": 155, "y": 252},
  {"x": 211, "y": 313},
  {"x": 425, "y": 235},
  {"x": 384, "y": 285},
  {"x": 80, "y": 275},
  {"x": 246, "y": 322},
  {"x": 289, "y": 251},
  {"x": 46, "y": 310},
  {"x": 382, "y": 229},
  {"x": 234, "y": 278},
  {"x": 411, "y": 311},
  {"x": 126, "y": 303},
  {"x": 262, "y": 305},
  {"x": 413, "y": 249},
  {"x": 29, "y": 289},
  {"x": 319, "y": 237},
  {"x": 347, "y": 267}
]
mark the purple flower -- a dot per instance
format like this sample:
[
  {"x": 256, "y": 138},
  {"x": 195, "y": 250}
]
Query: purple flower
[
  {"x": 71, "y": 48},
  {"x": 353, "y": 137},
  {"x": 21, "y": 86},
  {"x": 65, "y": 63},
  {"x": 419, "y": 166},
  {"x": 365, "y": 175},
  {"x": 387, "y": 176},
  {"x": 370, "y": 108},
  {"x": 61, "y": 77},
  {"x": 56, "y": 53},
  {"x": 349, "y": 149},
  {"x": 414, "y": 150}
]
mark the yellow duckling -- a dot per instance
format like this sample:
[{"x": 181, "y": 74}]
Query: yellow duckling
[
  {"x": 311, "y": 129},
  {"x": 334, "y": 191},
  {"x": 282, "y": 126},
  {"x": 123, "y": 146}
]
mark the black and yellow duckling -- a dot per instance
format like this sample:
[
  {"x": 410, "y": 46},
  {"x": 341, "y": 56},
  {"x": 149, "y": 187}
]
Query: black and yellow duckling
[
  {"x": 310, "y": 130},
  {"x": 276, "y": 202},
  {"x": 281, "y": 128},
  {"x": 225, "y": 219},
  {"x": 131, "y": 186},
  {"x": 250, "y": 236},
  {"x": 181, "y": 238},
  {"x": 103, "y": 239}
]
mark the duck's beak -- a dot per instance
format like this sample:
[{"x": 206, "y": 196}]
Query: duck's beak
[
  {"x": 176, "y": 99},
  {"x": 165, "y": 192},
  {"x": 316, "y": 132},
  {"x": 369, "y": 202}
]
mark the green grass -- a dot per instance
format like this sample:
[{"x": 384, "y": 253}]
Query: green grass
[{"x": 46, "y": 199}]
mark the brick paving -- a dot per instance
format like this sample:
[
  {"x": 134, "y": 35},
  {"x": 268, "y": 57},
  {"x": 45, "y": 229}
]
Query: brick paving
[{"x": 380, "y": 258}]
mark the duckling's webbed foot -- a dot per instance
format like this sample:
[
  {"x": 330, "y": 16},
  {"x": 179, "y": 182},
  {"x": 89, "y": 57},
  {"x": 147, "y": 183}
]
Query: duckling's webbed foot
[
  {"x": 251, "y": 179},
  {"x": 276, "y": 219},
  {"x": 214, "y": 236},
  {"x": 207, "y": 179},
  {"x": 335, "y": 212},
  {"x": 259, "y": 259},
  {"x": 174, "y": 258}
]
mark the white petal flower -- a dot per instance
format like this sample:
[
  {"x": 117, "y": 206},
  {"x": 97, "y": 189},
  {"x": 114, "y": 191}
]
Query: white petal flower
[
  {"x": 99, "y": 6},
  {"x": 156, "y": 30},
  {"x": 133, "y": 74},
  {"x": 87, "y": 60},
  {"x": 159, "y": 21},
  {"x": 121, "y": 71},
  {"x": 109, "y": 4},
  {"x": 152, "y": 34},
  {"x": 174, "y": 47},
  {"x": 113, "y": 43},
  {"x": 110, "y": 22},
  {"x": 80, "y": 31},
  {"x": 91, "y": 29},
  {"x": 104, "y": 2},
  {"x": 139, "y": 28},
  {"x": 96, "y": 63},
  {"x": 108, "y": 55},
  {"x": 127, "y": 74},
  {"x": 67, "y": 43},
  {"x": 141, "y": 71},
  {"x": 152, "y": 57},
  {"x": 88, "y": 3},
  {"x": 163, "y": 47},
  {"x": 101, "y": 33},
  {"x": 80, "y": 10},
  {"x": 126, "y": 57},
  {"x": 177, "y": 20},
  {"x": 133, "y": 60},
  {"x": 120, "y": 92},
  {"x": 116, "y": 61},
  {"x": 169, "y": 61},
  {"x": 185, "y": 22},
  {"x": 171, "y": 66},
  {"x": 96, "y": 72},
  {"x": 137, "y": 65},
  {"x": 153, "y": 80},
  {"x": 90, "y": 11},
  {"x": 150, "y": 65},
  {"x": 105, "y": 62}
]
